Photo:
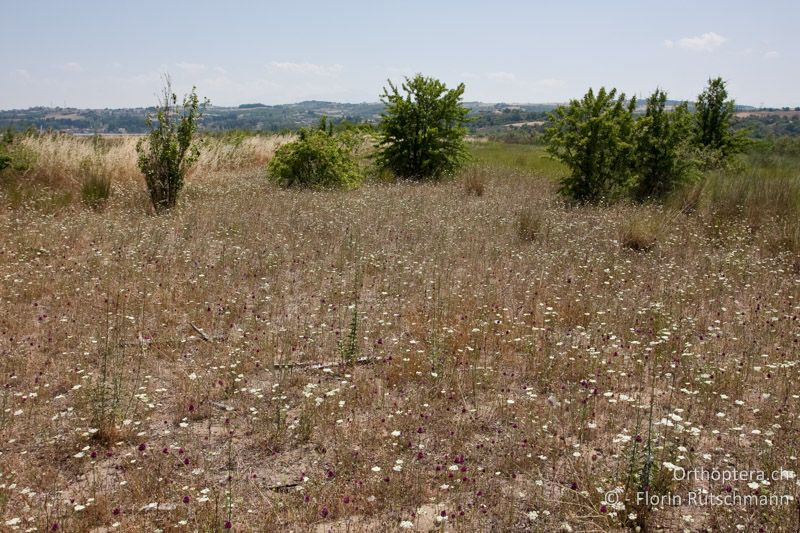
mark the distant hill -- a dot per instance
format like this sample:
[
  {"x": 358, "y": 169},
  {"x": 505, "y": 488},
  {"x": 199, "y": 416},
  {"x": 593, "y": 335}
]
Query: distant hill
[
  {"x": 253, "y": 116},
  {"x": 485, "y": 118}
]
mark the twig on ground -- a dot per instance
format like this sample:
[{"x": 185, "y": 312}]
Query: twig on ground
[{"x": 318, "y": 366}]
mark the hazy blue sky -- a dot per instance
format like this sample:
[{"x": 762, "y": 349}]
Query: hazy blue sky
[{"x": 111, "y": 53}]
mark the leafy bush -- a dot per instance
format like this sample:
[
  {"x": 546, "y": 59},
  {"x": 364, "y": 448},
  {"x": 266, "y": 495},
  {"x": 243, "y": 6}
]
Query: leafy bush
[
  {"x": 593, "y": 137},
  {"x": 5, "y": 140},
  {"x": 786, "y": 146},
  {"x": 713, "y": 117},
  {"x": 169, "y": 151},
  {"x": 14, "y": 155},
  {"x": 422, "y": 134},
  {"x": 317, "y": 159},
  {"x": 661, "y": 142}
]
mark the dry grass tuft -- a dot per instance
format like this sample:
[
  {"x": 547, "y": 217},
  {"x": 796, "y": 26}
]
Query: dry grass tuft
[
  {"x": 640, "y": 233},
  {"x": 530, "y": 225},
  {"x": 474, "y": 181}
]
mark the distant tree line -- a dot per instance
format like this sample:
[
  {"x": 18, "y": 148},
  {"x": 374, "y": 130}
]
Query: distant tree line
[
  {"x": 500, "y": 122},
  {"x": 766, "y": 126}
]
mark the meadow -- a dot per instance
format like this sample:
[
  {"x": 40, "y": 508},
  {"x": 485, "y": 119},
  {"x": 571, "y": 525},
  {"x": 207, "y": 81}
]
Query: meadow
[{"x": 469, "y": 355}]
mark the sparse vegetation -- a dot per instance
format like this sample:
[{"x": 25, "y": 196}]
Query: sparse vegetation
[{"x": 400, "y": 356}]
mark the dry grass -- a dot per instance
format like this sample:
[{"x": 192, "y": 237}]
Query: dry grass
[
  {"x": 239, "y": 154},
  {"x": 515, "y": 384},
  {"x": 59, "y": 160},
  {"x": 530, "y": 225},
  {"x": 640, "y": 232},
  {"x": 765, "y": 199},
  {"x": 474, "y": 181}
]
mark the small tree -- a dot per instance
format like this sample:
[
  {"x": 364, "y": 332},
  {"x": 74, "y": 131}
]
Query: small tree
[
  {"x": 594, "y": 138},
  {"x": 422, "y": 133},
  {"x": 168, "y": 152},
  {"x": 661, "y": 140},
  {"x": 713, "y": 116}
]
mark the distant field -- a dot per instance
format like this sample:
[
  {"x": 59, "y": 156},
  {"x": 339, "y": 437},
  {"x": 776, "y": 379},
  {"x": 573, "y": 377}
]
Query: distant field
[
  {"x": 763, "y": 114},
  {"x": 472, "y": 355},
  {"x": 531, "y": 159}
]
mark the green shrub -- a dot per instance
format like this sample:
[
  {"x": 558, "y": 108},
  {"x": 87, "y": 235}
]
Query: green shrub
[
  {"x": 169, "y": 151},
  {"x": 593, "y": 137},
  {"x": 422, "y": 133},
  {"x": 661, "y": 144},
  {"x": 318, "y": 159},
  {"x": 786, "y": 146},
  {"x": 713, "y": 117},
  {"x": 5, "y": 140},
  {"x": 15, "y": 156}
]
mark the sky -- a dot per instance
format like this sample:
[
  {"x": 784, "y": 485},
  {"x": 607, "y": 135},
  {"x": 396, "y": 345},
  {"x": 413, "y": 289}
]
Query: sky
[{"x": 99, "y": 54}]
